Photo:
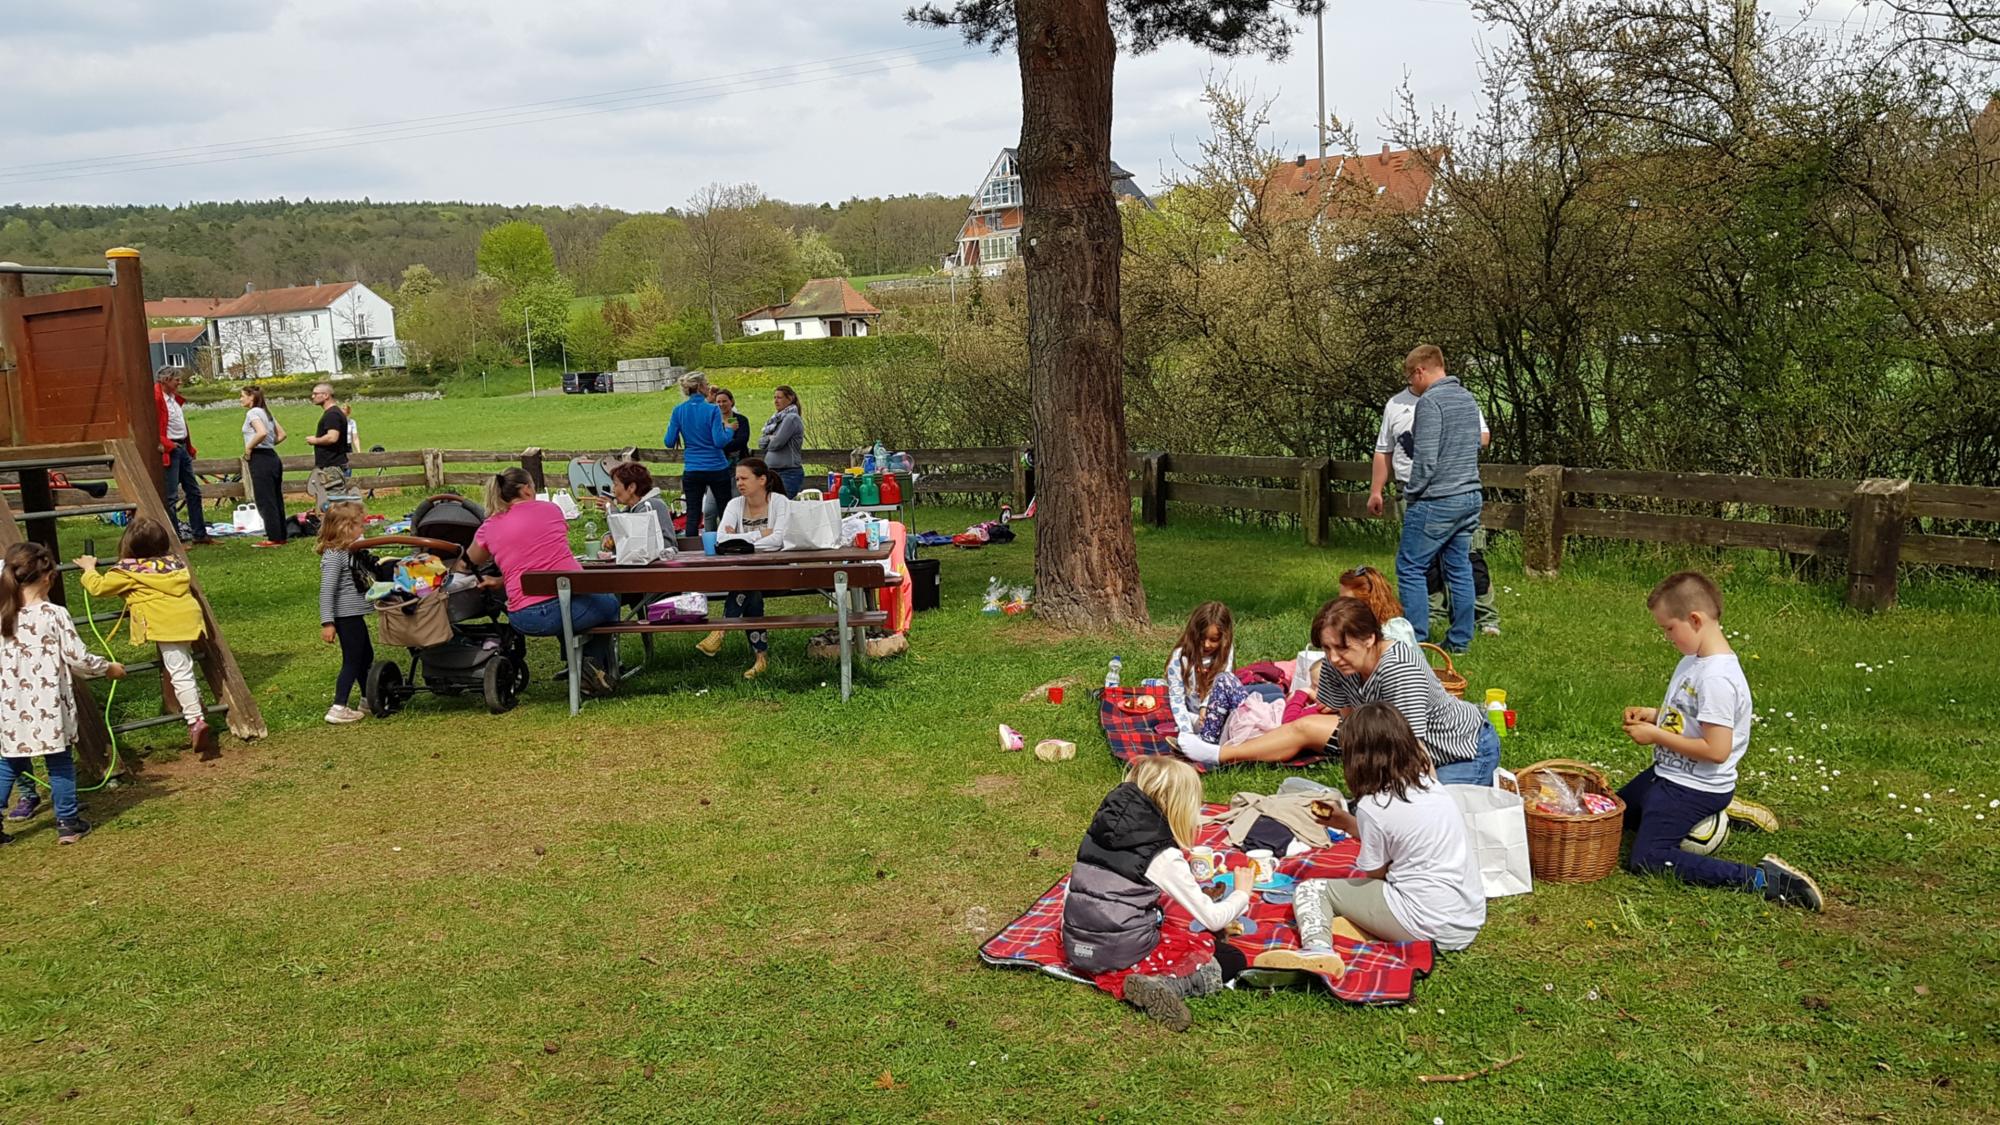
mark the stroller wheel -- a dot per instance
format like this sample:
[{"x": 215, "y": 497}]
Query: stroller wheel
[
  {"x": 384, "y": 688},
  {"x": 500, "y": 685}
]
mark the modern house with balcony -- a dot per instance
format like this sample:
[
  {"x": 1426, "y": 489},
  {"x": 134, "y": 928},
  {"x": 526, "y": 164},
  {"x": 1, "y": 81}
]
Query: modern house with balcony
[{"x": 991, "y": 236}]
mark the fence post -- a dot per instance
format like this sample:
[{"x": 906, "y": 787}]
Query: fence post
[
  {"x": 433, "y": 469},
  {"x": 1023, "y": 482},
  {"x": 1541, "y": 522},
  {"x": 1876, "y": 517},
  {"x": 1153, "y": 488},
  {"x": 1316, "y": 499},
  {"x": 531, "y": 460}
]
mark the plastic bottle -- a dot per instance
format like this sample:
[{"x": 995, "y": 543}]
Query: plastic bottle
[
  {"x": 868, "y": 462},
  {"x": 995, "y": 594},
  {"x": 1111, "y": 673},
  {"x": 881, "y": 457},
  {"x": 1496, "y": 713}
]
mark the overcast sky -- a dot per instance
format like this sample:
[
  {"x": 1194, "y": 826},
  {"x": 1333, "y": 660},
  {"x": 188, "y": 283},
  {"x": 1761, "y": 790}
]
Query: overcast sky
[{"x": 632, "y": 105}]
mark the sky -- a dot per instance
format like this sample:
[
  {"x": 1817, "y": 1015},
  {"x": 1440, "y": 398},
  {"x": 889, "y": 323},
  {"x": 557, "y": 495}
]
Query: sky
[{"x": 624, "y": 104}]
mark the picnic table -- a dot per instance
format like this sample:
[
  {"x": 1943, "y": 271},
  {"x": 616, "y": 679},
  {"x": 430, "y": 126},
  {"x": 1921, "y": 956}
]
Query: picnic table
[{"x": 848, "y": 577}]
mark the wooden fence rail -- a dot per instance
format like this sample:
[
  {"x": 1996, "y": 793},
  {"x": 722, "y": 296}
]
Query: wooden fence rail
[{"x": 1546, "y": 504}]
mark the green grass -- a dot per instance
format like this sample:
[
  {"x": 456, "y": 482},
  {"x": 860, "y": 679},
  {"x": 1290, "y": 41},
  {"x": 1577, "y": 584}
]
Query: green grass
[
  {"x": 507, "y": 418},
  {"x": 717, "y": 900}
]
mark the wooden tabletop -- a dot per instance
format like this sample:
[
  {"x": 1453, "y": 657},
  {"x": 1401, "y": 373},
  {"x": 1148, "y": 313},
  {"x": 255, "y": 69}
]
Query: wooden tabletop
[
  {"x": 695, "y": 559},
  {"x": 716, "y": 576}
]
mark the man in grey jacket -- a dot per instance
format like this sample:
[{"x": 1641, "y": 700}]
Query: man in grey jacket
[{"x": 1443, "y": 494}]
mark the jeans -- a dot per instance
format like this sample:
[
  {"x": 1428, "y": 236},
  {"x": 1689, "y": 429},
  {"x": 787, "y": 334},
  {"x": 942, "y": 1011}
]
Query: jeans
[
  {"x": 62, "y": 780},
  {"x": 1484, "y": 611},
  {"x": 1434, "y": 529},
  {"x": 749, "y": 603},
  {"x": 267, "y": 484},
  {"x": 586, "y": 611},
  {"x": 1659, "y": 813},
  {"x": 792, "y": 479},
  {"x": 357, "y": 652},
  {"x": 1485, "y": 759},
  {"x": 714, "y": 484},
  {"x": 181, "y": 478}
]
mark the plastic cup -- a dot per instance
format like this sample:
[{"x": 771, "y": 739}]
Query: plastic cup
[
  {"x": 1056, "y": 694},
  {"x": 708, "y": 542},
  {"x": 1510, "y": 722}
]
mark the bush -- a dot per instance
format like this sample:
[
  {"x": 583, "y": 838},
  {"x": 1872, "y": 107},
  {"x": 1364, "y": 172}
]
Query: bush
[
  {"x": 387, "y": 384},
  {"x": 842, "y": 351}
]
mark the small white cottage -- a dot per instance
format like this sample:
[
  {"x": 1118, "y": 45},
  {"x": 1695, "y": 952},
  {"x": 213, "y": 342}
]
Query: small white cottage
[{"x": 823, "y": 307}]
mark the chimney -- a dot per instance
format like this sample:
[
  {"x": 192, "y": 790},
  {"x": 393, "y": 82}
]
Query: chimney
[
  {"x": 1302, "y": 160},
  {"x": 249, "y": 287},
  {"x": 1385, "y": 150},
  {"x": 316, "y": 281}
]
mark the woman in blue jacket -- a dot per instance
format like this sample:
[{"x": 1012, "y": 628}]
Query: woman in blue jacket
[{"x": 696, "y": 425}]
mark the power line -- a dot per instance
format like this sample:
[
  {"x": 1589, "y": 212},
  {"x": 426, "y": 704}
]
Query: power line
[{"x": 554, "y": 109}]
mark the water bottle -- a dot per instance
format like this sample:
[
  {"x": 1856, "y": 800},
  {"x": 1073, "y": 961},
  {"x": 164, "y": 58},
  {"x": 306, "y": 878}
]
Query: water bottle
[
  {"x": 995, "y": 594},
  {"x": 881, "y": 457},
  {"x": 868, "y": 463},
  {"x": 1111, "y": 673}
]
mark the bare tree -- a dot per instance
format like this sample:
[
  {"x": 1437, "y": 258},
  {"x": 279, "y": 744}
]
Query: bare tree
[{"x": 727, "y": 248}]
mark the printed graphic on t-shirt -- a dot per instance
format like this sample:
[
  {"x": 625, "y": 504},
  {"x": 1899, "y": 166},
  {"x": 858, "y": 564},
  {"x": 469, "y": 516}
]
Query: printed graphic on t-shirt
[{"x": 1682, "y": 702}]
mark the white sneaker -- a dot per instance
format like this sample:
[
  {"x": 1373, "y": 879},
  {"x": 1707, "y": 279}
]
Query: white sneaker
[
  {"x": 337, "y": 714},
  {"x": 1490, "y": 630}
]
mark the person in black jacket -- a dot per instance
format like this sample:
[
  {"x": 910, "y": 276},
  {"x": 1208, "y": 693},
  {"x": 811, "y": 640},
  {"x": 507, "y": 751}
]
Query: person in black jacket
[
  {"x": 738, "y": 446},
  {"x": 1114, "y": 928}
]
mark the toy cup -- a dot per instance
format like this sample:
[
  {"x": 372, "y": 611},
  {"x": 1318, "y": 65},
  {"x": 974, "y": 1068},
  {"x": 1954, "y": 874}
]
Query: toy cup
[
  {"x": 1202, "y": 861},
  {"x": 1265, "y": 864},
  {"x": 1056, "y": 694}
]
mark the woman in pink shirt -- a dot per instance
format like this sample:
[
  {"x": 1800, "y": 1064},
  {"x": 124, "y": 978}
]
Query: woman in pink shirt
[{"x": 522, "y": 534}]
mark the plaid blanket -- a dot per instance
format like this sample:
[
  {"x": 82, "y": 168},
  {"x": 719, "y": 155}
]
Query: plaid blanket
[
  {"x": 1380, "y": 972},
  {"x": 1137, "y": 736}
]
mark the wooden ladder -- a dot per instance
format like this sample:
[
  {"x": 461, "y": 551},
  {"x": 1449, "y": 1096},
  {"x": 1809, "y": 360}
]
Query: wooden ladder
[{"x": 36, "y": 522}]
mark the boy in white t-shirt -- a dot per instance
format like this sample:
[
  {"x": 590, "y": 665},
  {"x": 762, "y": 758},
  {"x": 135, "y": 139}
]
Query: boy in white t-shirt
[{"x": 1698, "y": 734}]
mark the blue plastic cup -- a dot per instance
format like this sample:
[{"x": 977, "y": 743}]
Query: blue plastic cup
[{"x": 708, "y": 542}]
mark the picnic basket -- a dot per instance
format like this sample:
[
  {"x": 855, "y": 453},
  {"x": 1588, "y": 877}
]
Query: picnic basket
[
  {"x": 1447, "y": 675},
  {"x": 1580, "y": 848}
]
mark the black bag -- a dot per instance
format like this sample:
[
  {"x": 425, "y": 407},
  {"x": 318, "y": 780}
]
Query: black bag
[{"x": 365, "y": 569}]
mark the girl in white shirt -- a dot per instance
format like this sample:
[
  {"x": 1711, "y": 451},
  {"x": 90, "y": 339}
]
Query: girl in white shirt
[
  {"x": 1201, "y": 688},
  {"x": 1420, "y": 879},
  {"x": 759, "y": 514}
]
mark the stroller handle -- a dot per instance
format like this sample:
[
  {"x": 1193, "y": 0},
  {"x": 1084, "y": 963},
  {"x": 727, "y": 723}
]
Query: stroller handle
[{"x": 443, "y": 548}]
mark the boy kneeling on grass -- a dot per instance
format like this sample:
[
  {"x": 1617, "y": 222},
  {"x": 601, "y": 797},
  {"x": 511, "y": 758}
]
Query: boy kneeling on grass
[{"x": 1698, "y": 734}]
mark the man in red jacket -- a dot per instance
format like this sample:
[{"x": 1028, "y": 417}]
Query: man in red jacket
[{"x": 179, "y": 455}]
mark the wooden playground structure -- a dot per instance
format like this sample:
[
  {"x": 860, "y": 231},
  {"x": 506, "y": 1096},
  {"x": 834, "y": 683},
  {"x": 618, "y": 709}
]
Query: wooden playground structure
[{"x": 79, "y": 402}]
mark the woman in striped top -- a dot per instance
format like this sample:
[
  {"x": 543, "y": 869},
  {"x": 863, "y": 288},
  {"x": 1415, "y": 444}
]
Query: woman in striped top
[{"x": 1366, "y": 668}]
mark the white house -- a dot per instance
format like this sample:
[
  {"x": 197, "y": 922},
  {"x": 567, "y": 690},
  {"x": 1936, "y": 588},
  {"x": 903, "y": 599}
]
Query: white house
[
  {"x": 306, "y": 329},
  {"x": 823, "y": 307}
]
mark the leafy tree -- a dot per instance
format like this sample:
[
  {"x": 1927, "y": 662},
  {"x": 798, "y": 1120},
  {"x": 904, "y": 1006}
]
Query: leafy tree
[
  {"x": 592, "y": 344},
  {"x": 1086, "y": 560},
  {"x": 634, "y": 252},
  {"x": 538, "y": 311},
  {"x": 731, "y": 253},
  {"x": 817, "y": 257},
  {"x": 516, "y": 254}
]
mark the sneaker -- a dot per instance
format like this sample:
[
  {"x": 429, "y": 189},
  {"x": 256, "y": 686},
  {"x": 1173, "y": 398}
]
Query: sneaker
[
  {"x": 1785, "y": 883},
  {"x": 711, "y": 644},
  {"x": 203, "y": 541},
  {"x": 1490, "y": 630},
  {"x": 1323, "y": 961},
  {"x": 27, "y": 806},
  {"x": 1753, "y": 814},
  {"x": 202, "y": 737},
  {"x": 1158, "y": 1000},
  {"x": 337, "y": 715},
  {"x": 70, "y": 831},
  {"x": 595, "y": 681},
  {"x": 757, "y": 667}
]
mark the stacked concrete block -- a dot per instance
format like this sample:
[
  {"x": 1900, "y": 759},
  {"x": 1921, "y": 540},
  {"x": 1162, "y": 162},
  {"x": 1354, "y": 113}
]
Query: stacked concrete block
[{"x": 654, "y": 373}]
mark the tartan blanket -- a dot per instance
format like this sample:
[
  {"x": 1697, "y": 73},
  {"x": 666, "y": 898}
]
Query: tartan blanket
[
  {"x": 1132, "y": 737},
  {"x": 1378, "y": 972}
]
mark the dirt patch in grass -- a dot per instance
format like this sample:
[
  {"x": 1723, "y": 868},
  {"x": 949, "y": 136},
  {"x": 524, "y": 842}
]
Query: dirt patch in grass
[{"x": 990, "y": 784}]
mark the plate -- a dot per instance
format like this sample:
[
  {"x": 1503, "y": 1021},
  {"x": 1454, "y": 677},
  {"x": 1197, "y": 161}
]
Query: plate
[{"x": 1139, "y": 705}]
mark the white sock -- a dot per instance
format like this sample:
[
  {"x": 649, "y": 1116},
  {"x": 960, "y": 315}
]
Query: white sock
[{"x": 1207, "y": 753}]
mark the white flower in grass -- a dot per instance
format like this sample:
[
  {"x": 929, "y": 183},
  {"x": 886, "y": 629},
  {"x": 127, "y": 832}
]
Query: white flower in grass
[
  {"x": 1858, "y": 664},
  {"x": 1892, "y": 796},
  {"x": 1822, "y": 726},
  {"x": 1909, "y": 836},
  {"x": 1979, "y": 816},
  {"x": 1927, "y": 796},
  {"x": 1919, "y": 810},
  {"x": 1788, "y": 714},
  {"x": 1824, "y": 789},
  {"x": 1993, "y": 804},
  {"x": 1836, "y": 773}
]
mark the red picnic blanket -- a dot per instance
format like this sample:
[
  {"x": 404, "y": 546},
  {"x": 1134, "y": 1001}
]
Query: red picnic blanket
[
  {"x": 1378, "y": 972},
  {"x": 1134, "y": 736}
]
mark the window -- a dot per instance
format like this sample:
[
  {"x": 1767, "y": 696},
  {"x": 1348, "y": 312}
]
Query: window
[
  {"x": 1000, "y": 191},
  {"x": 795, "y": 328},
  {"x": 176, "y": 359},
  {"x": 999, "y": 247}
]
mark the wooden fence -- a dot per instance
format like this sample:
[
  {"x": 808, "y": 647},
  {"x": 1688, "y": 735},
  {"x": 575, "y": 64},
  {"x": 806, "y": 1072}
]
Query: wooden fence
[{"x": 1875, "y": 525}]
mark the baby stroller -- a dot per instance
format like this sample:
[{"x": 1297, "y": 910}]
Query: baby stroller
[{"x": 458, "y": 639}]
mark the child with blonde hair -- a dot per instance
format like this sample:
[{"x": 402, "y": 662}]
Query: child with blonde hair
[
  {"x": 1113, "y": 927},
  {"x": 159, "y": 599},
  {"x": 344, "y": 579}
]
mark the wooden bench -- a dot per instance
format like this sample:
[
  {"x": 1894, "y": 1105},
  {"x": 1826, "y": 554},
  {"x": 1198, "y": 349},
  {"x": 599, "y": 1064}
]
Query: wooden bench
[{"x": 850, "y": 583}]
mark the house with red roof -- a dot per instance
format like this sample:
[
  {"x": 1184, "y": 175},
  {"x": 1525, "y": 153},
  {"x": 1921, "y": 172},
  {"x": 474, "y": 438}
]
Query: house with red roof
[
  {"x": 303, "y": 329},
  {"x": 823, "y": 307},
  {"x": 177, "y": 347},
  {"x": 1351, "y": 185}
]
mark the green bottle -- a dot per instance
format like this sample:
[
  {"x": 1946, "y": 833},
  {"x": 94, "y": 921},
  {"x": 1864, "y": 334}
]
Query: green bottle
[{"x": 871, "y": 491}]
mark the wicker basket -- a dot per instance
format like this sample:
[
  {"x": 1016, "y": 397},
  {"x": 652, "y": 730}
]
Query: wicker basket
[
  {"x": 1571, "y": 849},
  {"x": 1447, "y": 675}
]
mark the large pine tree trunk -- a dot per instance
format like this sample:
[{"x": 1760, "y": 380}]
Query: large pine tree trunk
[{"x": 1086, "y": 563}]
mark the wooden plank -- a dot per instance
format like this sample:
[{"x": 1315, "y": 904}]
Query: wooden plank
[
  {"x": 464, "y": 478},
  {"x": 398, "y": 460},
  {"x": 1504, "y": 476},
  {"x": 799, "y": 621},
  {"x": 1952, "y": 550},
  {"x": 1700, "y": 531},
  {"x": 1233, "y": 496},
  {"x": 972, "y": 455},
  {"x": 1503, "y": 517},
  {"x": 1955, "y": 502},
  {"x": 1774, "y": 492},
  {"x": 1212, "y": 465},
  {"x": 930, "y": 485}
]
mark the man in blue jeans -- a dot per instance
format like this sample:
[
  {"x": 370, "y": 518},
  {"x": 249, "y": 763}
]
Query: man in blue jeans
[
  {"x": 1443, "y": 494},
  {"x": 177, "y": 453}
]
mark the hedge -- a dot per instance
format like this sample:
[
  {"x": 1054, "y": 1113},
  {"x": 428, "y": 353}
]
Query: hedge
[
  {"x": 385, "y": 385},
  {"x": 834, "y": 351}
]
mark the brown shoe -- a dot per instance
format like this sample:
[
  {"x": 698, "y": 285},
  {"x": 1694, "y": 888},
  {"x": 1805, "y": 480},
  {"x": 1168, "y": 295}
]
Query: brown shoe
[
  {"x": 202, "y": 737},
  {"x": 757, "y": 667},
  {"x": 1158, "y": 1000},
  {"x": 710, "y": 645}
]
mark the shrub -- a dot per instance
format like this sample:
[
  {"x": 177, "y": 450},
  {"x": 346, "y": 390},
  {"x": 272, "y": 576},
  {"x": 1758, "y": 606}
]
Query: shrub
[
  {"x": 387, "y": 384},
  {"x": 843, "y": 351}
]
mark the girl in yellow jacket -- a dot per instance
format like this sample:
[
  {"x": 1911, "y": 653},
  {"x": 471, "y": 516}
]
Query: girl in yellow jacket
[{"x": 159, "y": 598}]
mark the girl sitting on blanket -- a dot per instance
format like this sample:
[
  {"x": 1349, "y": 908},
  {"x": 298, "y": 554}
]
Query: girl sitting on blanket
[
  {"x": 1113, "y": 926},
  {"x": 1201, "y": 688},
  {"x": 1419, "y": 878}
]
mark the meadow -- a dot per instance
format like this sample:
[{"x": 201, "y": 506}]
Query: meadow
[{"x": 712, "y": 899}]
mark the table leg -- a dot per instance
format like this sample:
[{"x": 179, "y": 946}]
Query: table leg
[
  {"x": 846, "y": 638},
  {"x": 570, "y": 650}
]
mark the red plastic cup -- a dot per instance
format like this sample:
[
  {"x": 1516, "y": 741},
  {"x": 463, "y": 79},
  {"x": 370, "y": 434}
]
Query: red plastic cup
[
  {"x": 1056, "y": 694},
  {"x": 1510, "y": 720}
]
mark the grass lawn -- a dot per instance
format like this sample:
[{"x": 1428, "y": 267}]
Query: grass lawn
[
  {"x": 467, "y": 419},
  {"x": 717, "y": 900}
]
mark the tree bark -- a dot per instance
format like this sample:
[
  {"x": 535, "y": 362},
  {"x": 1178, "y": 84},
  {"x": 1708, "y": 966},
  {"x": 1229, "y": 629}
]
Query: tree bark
[{"x": 1086, "y": 562}]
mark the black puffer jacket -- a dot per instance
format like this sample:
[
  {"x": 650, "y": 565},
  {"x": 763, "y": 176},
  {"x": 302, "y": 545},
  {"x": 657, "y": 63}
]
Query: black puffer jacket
[{"x": 1111, "y": 917}]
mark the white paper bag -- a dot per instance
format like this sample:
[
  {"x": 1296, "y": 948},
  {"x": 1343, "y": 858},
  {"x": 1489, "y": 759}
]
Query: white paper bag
[
  {"x": 567, "y": 503},
  {"x": 248, "y": 520},
  {"x": 1497, "y": 827},
  {"x": 637, "y": 537},
  {"x": 813, "y": 523}
]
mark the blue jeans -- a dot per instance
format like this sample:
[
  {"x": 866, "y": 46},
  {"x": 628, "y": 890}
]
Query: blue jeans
[
  {"x": 586, "y": 611},
  {"x": 1659, "y": 814},
  {"x": 1434, "y": 529},
  {"x": 181, "y": 478},
  {"x": 62, "y": 780},
  {"x": 793, "y": 479},
  {"x": 749, "y": 603},
  {"x": 1479, "y": 770}
]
